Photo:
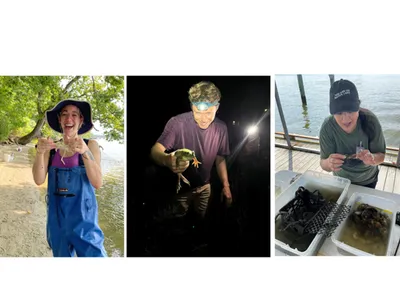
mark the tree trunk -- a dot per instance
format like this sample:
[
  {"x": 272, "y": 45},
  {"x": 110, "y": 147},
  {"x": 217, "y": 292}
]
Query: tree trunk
[{"x": 35, "y": 133}]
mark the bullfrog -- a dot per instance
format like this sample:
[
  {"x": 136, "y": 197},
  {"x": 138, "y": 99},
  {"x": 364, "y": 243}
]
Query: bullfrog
[{"x": 185, "y": 155}]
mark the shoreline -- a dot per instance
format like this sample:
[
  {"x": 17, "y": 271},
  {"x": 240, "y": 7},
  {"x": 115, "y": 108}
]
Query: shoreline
[{"x": 23, "y": 212}]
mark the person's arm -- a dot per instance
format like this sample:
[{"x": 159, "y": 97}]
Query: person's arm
[
  {"x": 91, "y": 158},
  {"x": 158, "y": 154},
  {"x": 223, "y": 176},
  {"x": 332, "y": 163},
  {"x": 164, "y": 142},
  {"x": 220, "y": 163},
  {"x": 378, "y": 158},
  {"x": 377, "y": 145},
  {"x": 167, "y": 160},
  {"x": 221, "y": 167},
  {"x": 324, "y": 163},
  {"x": 329, "y": 160},
  {"x": 371, "y": 159},
  {"x": 40, "y": 165}
]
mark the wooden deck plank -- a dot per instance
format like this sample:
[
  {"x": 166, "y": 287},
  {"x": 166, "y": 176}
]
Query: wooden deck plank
[
  {"x": 381, "y": 177},
  {"x": 286, "y": 160},
  {"x": 312, "y": 165},
  {"x": 389, "y": 183},
  {"x": 305, "y": 160},
  {"x": 280, "y": 156},
  {"x": 396, "y": 188},
  {"x": 297, "y": 160},
  {"x": 279, "y": 152}
]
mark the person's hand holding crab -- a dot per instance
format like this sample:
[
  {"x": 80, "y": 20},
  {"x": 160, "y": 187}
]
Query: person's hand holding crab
[
  {"x": 44, "y": 145},
  {"x": 335, "y": 161},
  {"x": 71, "y": 145},
  {"x": 367, "y": 157},
  {"x": 77, "y": 144}
]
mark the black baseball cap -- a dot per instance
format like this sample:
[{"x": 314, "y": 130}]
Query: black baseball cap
[{"x": 343, "y": 97}]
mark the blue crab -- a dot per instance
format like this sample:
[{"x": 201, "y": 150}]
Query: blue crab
[{"x": 60, "y": 146}]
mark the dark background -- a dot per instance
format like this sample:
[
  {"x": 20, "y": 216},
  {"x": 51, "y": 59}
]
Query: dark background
[{"x": 241, "y": 230}]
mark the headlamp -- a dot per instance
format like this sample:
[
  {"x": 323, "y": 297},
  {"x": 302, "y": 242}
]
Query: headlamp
[{"x": 204, "y": 105}]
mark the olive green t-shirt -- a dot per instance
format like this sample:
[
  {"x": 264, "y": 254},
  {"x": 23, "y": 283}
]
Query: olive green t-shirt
[{"x": 334, "y": 139}]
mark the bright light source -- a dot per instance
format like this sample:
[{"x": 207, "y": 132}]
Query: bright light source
[{"x": 252, "y": 130}]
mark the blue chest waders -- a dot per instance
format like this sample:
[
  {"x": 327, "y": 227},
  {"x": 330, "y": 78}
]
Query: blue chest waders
[{"x": 72, "y": 214}]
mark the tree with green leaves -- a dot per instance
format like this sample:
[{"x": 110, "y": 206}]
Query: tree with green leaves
[{"x": 25, "y": 99}]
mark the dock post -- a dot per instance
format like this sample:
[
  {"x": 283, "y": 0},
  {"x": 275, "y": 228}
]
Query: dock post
[
  {"x": 332, "y": 78},
  {"x": 301, "y": 87},
  {"x": 285, "y": 130},
  {"x": 398, "y": 159}
]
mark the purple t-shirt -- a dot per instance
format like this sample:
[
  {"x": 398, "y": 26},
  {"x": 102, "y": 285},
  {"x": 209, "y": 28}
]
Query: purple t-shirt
[
  {"x": 182, "y": 131},
  {"x": 70, "y": 162}
]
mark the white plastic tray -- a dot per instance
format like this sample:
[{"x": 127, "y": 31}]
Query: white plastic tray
[
  {"x": 375, "y": 201},
  {"x": 315, "y": 179},
  {"x": 279, "y": 187}
]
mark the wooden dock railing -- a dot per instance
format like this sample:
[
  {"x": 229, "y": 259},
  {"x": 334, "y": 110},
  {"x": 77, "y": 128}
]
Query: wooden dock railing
[{"x": 313, "y": 143}]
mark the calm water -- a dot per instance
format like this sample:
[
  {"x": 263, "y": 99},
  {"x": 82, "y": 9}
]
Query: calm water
[
  {"x": 111, "y": 197},
  {"x": 378, "y": 93}
]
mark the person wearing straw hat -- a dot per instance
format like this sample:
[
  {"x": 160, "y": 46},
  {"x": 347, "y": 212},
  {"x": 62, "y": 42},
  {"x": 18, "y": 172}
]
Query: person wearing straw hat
[
  {"x": 351, "y": 139},
  {"x": 74, "y": 172}
]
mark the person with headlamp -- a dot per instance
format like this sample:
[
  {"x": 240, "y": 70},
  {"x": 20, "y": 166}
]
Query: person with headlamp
[{"x": 200, "y": 131}]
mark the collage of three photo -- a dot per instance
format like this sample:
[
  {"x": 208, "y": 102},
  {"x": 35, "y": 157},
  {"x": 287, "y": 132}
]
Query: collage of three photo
[{"x": 199, "y": 166}]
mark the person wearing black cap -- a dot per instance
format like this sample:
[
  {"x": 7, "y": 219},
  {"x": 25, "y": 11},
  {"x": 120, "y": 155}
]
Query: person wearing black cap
[
  {"x": 74, "y": 173},
  {"x": 351, "y": 139}
]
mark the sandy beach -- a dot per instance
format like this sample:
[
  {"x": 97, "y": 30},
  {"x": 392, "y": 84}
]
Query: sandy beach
[{"x": 22, "y": 207}]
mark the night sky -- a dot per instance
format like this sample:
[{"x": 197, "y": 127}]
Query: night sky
[{"x": 151, "y": 102}]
